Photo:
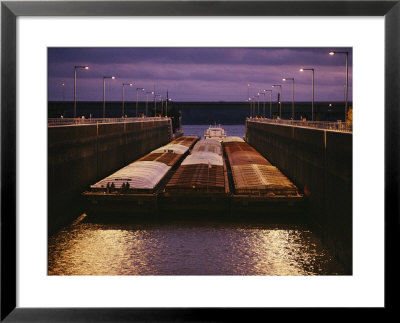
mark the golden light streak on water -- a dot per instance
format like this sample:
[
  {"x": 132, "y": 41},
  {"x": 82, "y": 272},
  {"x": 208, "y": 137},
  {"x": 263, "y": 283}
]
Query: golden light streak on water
[{"x": 100, "y": 249}]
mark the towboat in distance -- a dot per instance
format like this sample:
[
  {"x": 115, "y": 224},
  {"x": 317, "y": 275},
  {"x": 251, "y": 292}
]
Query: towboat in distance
[{"x": 215, "y": 132}]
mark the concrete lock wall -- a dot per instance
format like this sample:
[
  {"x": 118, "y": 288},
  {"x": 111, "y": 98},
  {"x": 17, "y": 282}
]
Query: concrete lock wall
[
  {"x": 320, "y": 163},
  {"x": 81, "y": 155}
]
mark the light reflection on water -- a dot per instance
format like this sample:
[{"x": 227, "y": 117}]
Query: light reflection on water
[{"x": 187, "y": 249}]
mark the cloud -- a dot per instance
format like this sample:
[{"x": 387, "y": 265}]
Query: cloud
[{"x": 196, "y": 73}]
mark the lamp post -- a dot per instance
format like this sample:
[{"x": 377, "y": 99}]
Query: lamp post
[
  {"x": 249, "y": 100},
  {"x": 137, "y": 90},
  {"x": 166, "y": 105},
  {"x": 75, "y": 67},
  {"x": 123, "y": 96},
  {"x": 312, "y": 103},
  {"x": 263, "y": 92},
  {"x": 147, "y": 101},
  {"x": 104, "y": 93},
  {"x": 270, "y": 102},
  {"x": 258, "y": 107},
  {"x": 258, "y": 99},
  {"x": 347, "y": 80},
  {"x": 170, "y": 101},
  {"x": 155, "y": 104},
  {"x": 291, "y": 79},
  {"x": 280, "y": 99}
]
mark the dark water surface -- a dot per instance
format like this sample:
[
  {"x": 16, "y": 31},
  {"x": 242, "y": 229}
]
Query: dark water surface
[{"x": 200, "y": 112}]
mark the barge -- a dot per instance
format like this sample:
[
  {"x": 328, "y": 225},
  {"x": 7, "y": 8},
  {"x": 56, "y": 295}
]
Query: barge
[
  {"x": 200, "y": 183},
  {"x": 210, "y": 178},
  {"x": 256, "y": 185},
  {"x": 135, "y": 187}
]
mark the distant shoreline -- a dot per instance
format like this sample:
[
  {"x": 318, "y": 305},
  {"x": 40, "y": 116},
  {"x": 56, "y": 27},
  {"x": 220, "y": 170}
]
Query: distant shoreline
[{"x": 199, "y": 112}]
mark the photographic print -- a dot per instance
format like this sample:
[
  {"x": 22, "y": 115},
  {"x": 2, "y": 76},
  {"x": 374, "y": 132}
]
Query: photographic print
[{"x": 200, "y": 161}]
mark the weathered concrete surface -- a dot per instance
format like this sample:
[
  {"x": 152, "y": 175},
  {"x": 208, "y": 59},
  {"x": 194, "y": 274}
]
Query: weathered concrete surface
[
  {"x": 320, "y": 163},
  {"x": 80, "y": 155}
]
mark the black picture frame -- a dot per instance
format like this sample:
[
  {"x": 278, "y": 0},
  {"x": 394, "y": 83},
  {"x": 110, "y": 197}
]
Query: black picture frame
[{"x": 10, "y": 10}]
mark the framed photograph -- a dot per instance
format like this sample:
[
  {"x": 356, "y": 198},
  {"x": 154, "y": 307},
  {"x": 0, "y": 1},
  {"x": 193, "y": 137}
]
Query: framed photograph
[{"x": 180, "y": 65}]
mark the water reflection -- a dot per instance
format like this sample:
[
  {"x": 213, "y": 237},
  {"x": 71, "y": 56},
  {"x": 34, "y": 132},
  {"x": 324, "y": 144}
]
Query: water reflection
[{"x": 187, "y": 249}]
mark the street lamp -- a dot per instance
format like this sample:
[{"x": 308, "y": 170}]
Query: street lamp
[
  {"x": 291, "y": 79},
  {"x": 166, "y": 103},
  {"x": 147, "y": 100},
  {"x": 249, "y": 99},
  {"x": 123, "y": 95},
  {"x": 104, "y": 93},
  {"x": 258, "y": 99},
  {"x": 347, "y": 79},
  {"x": 75, "y": 67},
  {"x": 280, "y": 99},
  {"x": 258, "y": 105},
  {"x": 312, "y": 103},
  {"x": 270, "y": 102},
  {"x": 138, "y": 89},
  {"x": 251, "y": 107},
  {"x": 155, "y": 104},
  {"x": 263, "y": 92}
]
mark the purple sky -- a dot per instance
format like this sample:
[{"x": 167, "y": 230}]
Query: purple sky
[{"x": 197, "y": 74}]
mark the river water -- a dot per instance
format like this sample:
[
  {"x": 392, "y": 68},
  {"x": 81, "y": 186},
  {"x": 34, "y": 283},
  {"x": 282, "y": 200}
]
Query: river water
[{"x": 99, "y": 246}]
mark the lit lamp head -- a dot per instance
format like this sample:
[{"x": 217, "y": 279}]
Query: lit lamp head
[
  {"x": 86, "y": 67},
  {"x": 302, "y": 70},
  {"x": 332, "y": 52}
]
